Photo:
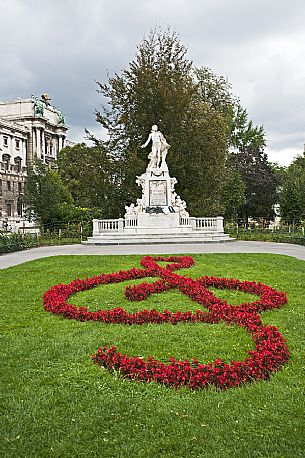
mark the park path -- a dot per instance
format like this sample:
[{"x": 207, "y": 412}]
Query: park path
[{"x": 19, "y": 257}]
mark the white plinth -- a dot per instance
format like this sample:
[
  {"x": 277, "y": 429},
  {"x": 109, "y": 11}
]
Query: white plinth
[
  {"x": 158, "y": 220},
  {"x": 158, "y": 224}
]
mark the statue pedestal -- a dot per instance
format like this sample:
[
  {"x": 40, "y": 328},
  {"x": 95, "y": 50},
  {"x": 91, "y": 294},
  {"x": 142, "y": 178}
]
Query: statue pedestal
[
  {"x": 146, "y": 220},
  {"x": 160, "y": 210},
  {"x": 158, "y": 224}
]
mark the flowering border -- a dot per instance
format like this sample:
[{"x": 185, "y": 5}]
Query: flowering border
[{"x": 270, "y": 353}]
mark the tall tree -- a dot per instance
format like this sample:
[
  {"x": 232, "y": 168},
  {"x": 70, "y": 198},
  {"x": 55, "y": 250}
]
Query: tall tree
[
  {"x": 216, "y": 91},
  {"x": 89, "y": 174},
  {"x": 260, "y": 182},
  {"x": 247, "y": 169},
  {"x": 233, "y": 190},
  {"x": 159, "y": 88},
  {"x": 292, "y": 194},
  {"x": 46, "y": 197},
  {"x": 244, "y": 135}
]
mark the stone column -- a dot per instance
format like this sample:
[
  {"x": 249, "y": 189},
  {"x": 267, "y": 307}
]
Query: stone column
[
  {"x": 219, "y": 223},
  {"x": 38, "y": 142},
  {"x": 95, "y": 227},
  {"x": 24, "y": 145},
  {"x": 193, "y": 223},
  {"x": 33, "y": 143},
  {"x": 10, "y": 149},
  {"x": 54, "y": 143},
  {"x": 60, "y": 142},
  {"x": 43, "y": 142},
  {"x": 120, "y": 225},
  {"x": 31, "y": 147}
]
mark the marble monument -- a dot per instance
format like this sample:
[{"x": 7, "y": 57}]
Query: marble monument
[
  {"x": 160, "y": 208},
  {"x": 160, "y": 215}
]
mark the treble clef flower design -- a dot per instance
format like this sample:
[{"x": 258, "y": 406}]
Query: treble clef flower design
[{"x": 269, "y": 355}]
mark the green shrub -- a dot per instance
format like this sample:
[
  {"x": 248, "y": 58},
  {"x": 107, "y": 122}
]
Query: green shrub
[
  {"x": 16, "y": 242},
  {"x": 266, "y": 236}
]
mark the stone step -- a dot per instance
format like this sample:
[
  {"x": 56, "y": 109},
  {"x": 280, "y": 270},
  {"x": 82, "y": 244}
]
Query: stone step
[
  {"x": 137, "y": 239},
  {"x": 118, "y": 235}
]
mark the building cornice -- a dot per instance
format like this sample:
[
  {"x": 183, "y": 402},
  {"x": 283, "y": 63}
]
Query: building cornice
[{"x": 12, "y": 125}]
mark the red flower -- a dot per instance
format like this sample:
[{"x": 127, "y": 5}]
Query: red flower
[{"x": 270, "y": 354}]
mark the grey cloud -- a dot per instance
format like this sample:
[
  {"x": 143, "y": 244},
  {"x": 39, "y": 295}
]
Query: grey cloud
[{"x": 62, "y": 47}]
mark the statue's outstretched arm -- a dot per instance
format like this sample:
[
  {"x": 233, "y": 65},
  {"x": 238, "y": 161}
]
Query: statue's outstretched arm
[{"x": 147, "y": 141}]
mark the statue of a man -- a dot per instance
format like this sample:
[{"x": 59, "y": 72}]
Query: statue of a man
[{"x": 159, "y": 147}]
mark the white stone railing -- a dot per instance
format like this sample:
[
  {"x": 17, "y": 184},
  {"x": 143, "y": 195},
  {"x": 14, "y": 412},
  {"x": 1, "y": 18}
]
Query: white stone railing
[
  {"x": 107, "y": 225},
  {"x": 131, "y": 221},
  {"x": 184, "y": 221},
  {"x": 207, "y": 224}
]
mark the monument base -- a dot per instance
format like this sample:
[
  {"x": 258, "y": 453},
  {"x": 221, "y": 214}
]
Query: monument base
[{"x": 157, "y": 229}]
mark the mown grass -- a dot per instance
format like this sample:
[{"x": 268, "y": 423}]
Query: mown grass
[{"x": 55, "y": 402}]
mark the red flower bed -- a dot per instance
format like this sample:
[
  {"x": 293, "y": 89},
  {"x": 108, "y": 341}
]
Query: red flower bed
[{"x": 270, "y": 352}]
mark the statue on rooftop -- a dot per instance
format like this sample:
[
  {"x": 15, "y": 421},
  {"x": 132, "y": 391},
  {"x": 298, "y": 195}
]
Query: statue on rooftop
[
  {"x": 38, "y": 106},
  {"x": 45, "y": 98}
]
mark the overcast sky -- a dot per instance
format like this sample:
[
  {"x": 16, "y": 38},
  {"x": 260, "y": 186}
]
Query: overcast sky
[{"x": 63, "y": 46}]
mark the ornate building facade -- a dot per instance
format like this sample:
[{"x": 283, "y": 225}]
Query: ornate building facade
[{"x": 29, "y": 129}]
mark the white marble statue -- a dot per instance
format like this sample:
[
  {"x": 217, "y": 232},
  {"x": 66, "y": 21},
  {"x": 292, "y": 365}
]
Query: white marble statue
[
  {"x": 184, "y": 214},
  {"x": 173, "y": 181},
  {"x": 140, "y": 206},
  {"x": 159, "y": 148},
  {"x": 173, "y": 198},
  {"x": 131, "y": 210},
  {"x": 141, "y": 180},
  {"x": 179, "y": 205}
]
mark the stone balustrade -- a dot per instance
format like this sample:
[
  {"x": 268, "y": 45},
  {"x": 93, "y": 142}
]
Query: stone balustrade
[
  {"x": 211, "y": 224},
  {"x": 107, "y": 225},
  {"x": 131, "y": 221},
  {"x": 184, "y": 221}
]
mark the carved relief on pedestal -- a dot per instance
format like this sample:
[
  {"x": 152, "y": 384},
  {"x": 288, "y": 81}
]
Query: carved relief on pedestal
[{"x": 157, "y": 193}]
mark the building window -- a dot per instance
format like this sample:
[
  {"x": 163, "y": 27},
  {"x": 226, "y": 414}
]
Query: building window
[
  {"x": 19, "y": 186},
  {"x": 17, "y": 144},
  {"x": 9, "y": 186},
  {"x": 17, "y": 161},
  {"x": 48, "y": 145},
  {"x": 5, "y": 141},
  {"x": 9, "y": 209},
  {"x": 6, "y": 159},
  {"x": 0, "y": 187},
  {"x": 19, "y": 208}
]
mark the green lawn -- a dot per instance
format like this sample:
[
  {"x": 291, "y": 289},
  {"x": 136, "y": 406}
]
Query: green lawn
[{"x": 55, "y": 402}]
